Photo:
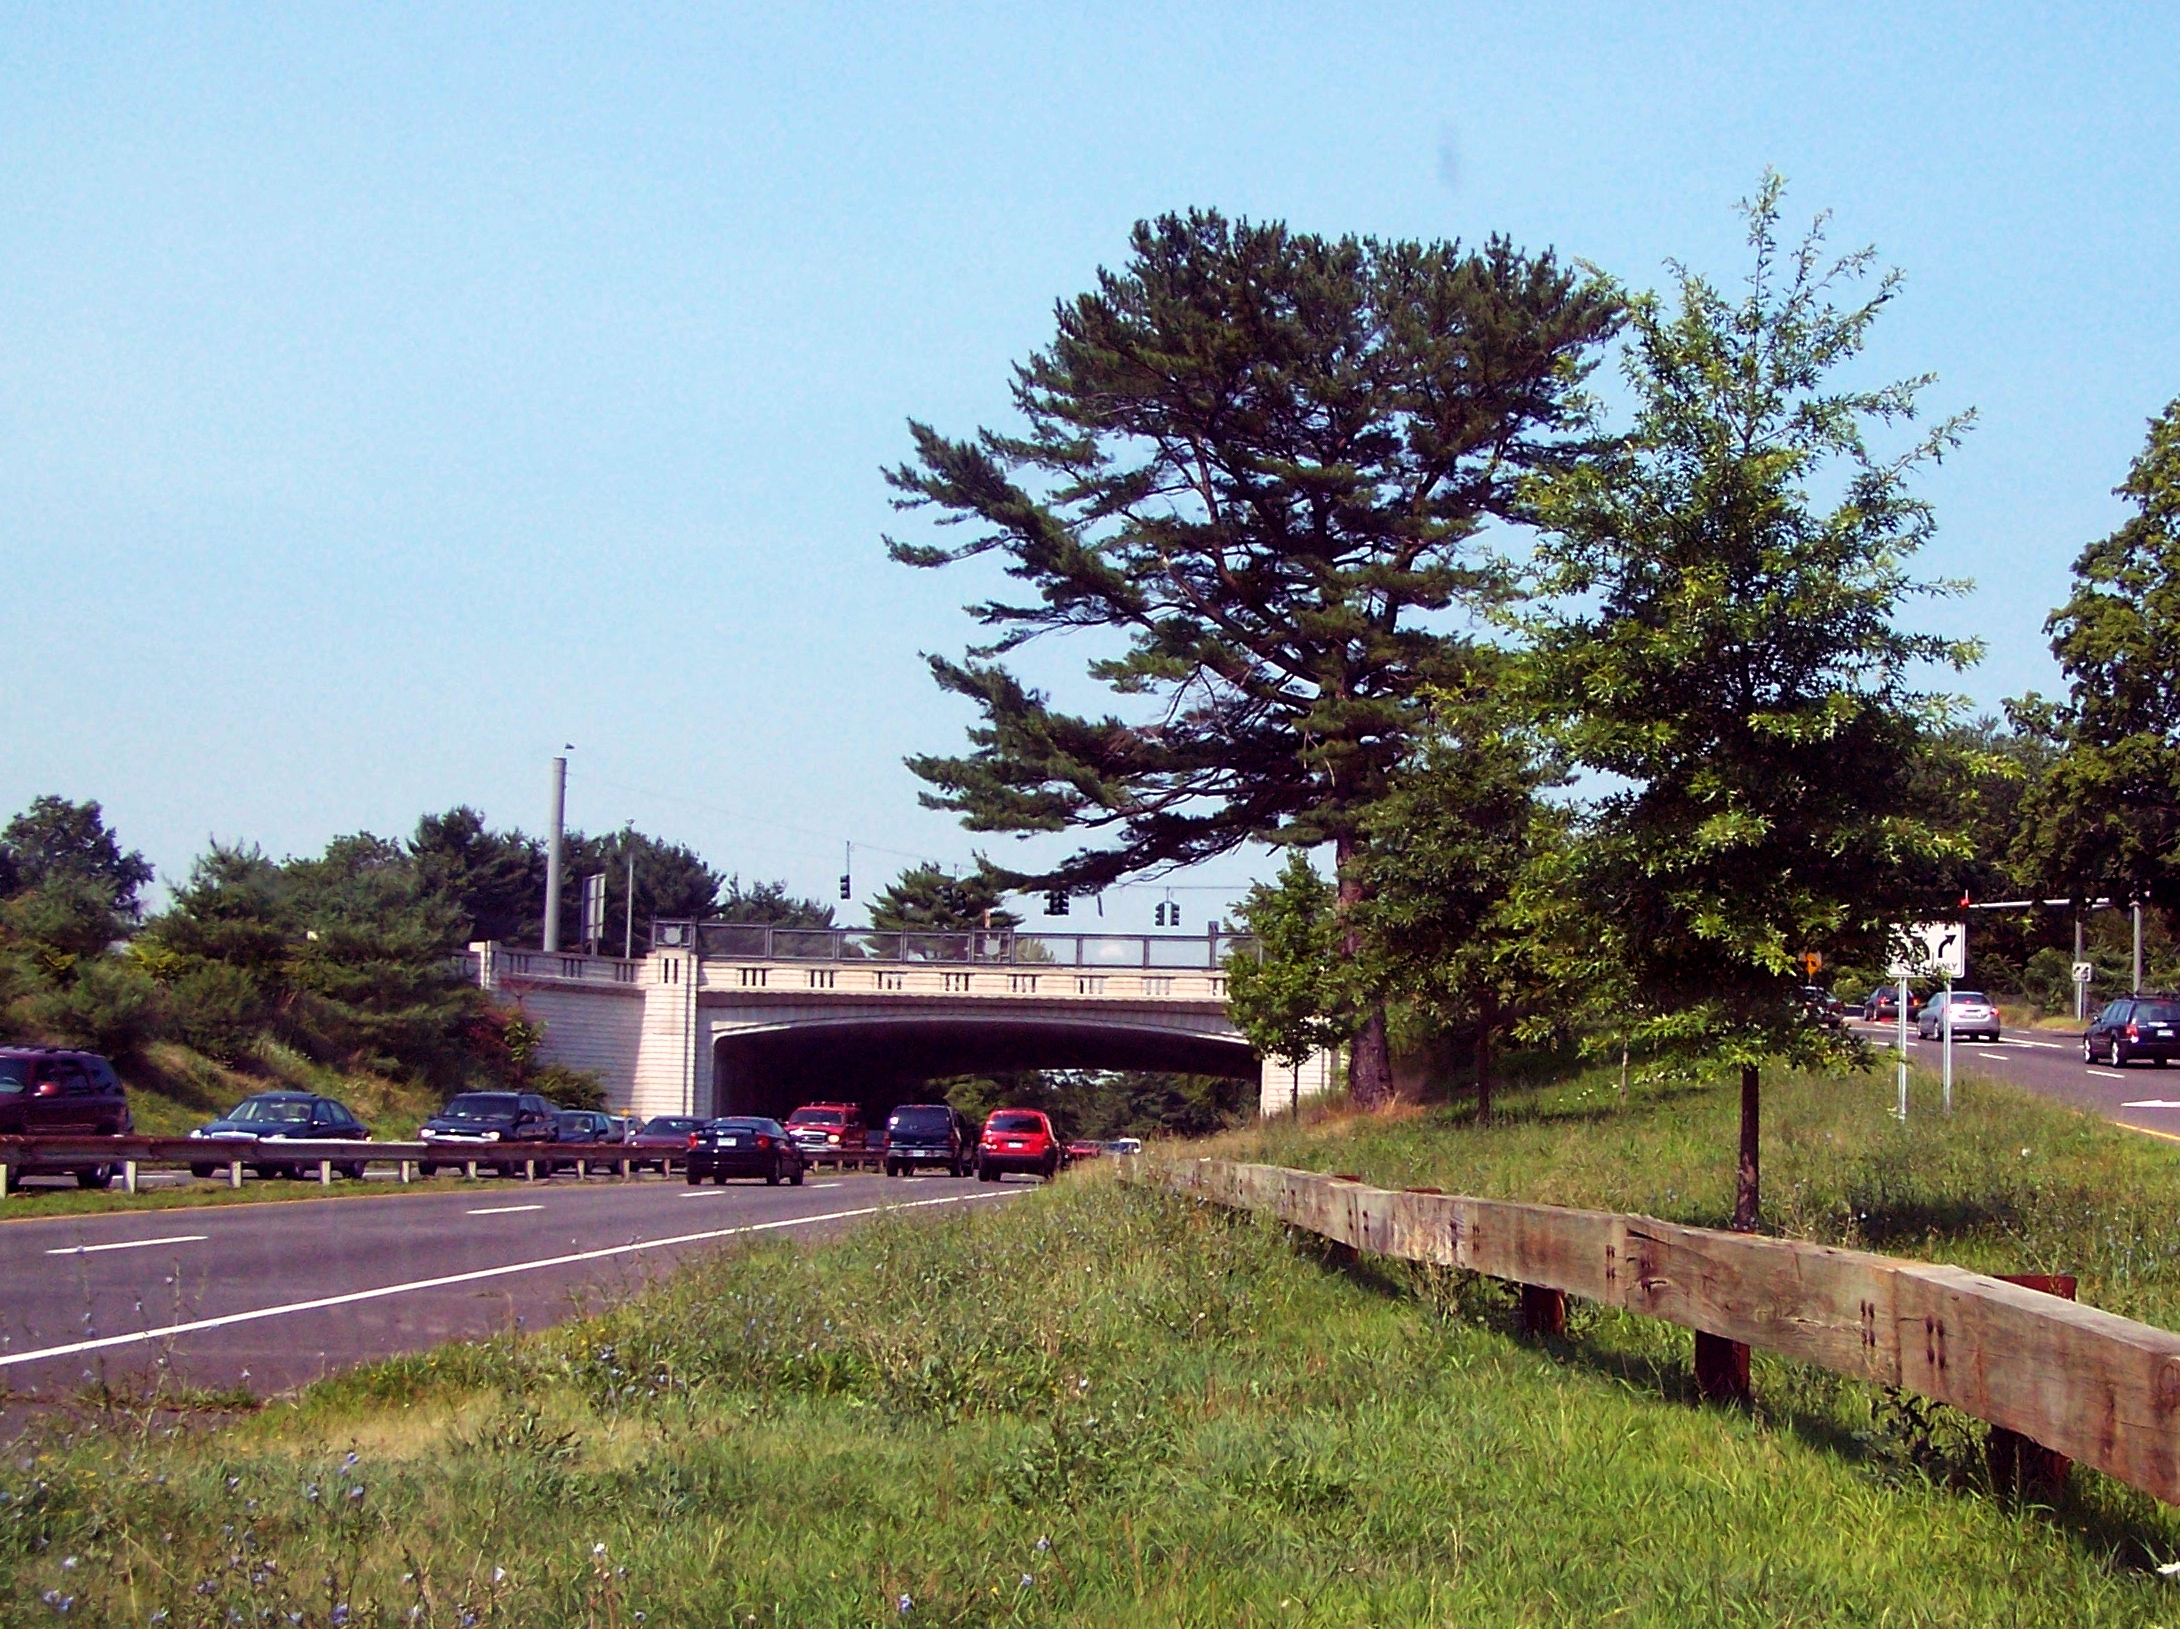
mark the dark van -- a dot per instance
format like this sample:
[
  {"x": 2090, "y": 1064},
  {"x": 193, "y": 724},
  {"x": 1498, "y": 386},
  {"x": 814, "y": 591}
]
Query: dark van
[
  {"x": 929, "y": 1134},
  {"x": 48, "y": 1092}
]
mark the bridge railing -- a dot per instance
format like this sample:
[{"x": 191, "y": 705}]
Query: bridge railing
[{"x": 750, "y": 941}]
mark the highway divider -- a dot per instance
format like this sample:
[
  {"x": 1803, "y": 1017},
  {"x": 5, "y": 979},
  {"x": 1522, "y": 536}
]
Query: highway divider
[
  {"x": 2043, "y": 1371},
  {"x": 318, "y": 1157}
]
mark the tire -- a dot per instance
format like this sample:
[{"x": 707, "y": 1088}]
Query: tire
[
  {"x": 772, "y": 1177},
  {"x": 2089, "y": 1053},
  {"x": 353, "y": 1172},
  {"x": 984, "y": 1172},
  {"x": 98, "y": 1176},
  {"x": 795, "y": 1181},
  {"x": 696, "y": 1180},
  {"x": 425, "y": 1168},
  {"x": 202, "y": 1171},
  {"x": 2118, "y": 1059}
]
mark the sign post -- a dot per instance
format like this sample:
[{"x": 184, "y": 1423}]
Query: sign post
[
  {"x": 1927, "y": 950},
  {"x": 2083, "y": 973}
]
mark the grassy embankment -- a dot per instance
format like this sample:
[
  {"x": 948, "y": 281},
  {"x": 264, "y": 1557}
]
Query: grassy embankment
[
  {"x": 1101, "y": 1406},
  {"x": 173, "y": 1090}
]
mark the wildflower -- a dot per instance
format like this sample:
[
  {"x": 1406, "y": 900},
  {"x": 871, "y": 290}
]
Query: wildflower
[
  {"x": 233, "y": 1482},
  {"x": 355, "y": 1493},
  {"x": 1028, "y": 1581},
  {"x": 68, "y": 1564},
  {"x": 340, "y": 1615},
  {"x": 1043, "y": 1545},
  {"x": 346, "y": 1463},
  {"x": 499, "y": 1575},
  {"x": 905, "y": 1605},
  {"x": 310, "y": 1491},
  {"x": 597, "y": 1549}
]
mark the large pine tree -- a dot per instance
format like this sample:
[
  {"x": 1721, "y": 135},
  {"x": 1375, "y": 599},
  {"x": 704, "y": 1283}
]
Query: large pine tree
[{"x": 1262, "y": 458}]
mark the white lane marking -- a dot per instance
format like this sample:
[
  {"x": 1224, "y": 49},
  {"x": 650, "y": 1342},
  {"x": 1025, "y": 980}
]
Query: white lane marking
[
  {"x": 2143, "y": 1103},
  {"x": 2108, "y": 1074},
  {"x": 2049, "y": 1046},
  {"x": 128, "y": 1244},
  {"x": 829, "y": 1184},
  {"x": 227, "y": 1319},
  {"x": 504, "y": 1210},
  {"x": 2000, "y": 1056}
]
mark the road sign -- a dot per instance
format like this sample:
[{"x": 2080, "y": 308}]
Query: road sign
[
  {"x": 1930, "y": 950},
  {"x": 1812, "y": 963},
  {"x": 2084, "y": 972}
]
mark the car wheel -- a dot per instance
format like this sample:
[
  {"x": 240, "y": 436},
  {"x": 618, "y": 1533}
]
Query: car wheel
[
  {"x": 794, "y": 1179},
  {"x": 696, "y": 1177},
  {"x": 2118, "y": 1059},
  {"x": 202, "y": 1170},
  {"x": 772, "y": 1177},
  {"x": 354, "y": 1172},
  {"x": 426, "y": 1168},
  {"x": 98, "y": 1176},
  {"x": 2089, "y": 1053}
]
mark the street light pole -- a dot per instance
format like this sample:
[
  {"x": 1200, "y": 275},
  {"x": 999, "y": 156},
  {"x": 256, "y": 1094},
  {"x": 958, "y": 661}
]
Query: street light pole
[{"x": 552, "y": 854}]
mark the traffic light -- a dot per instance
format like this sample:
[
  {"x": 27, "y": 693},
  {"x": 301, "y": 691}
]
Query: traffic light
[
  {"x": 1167, "y": 914},
  {"x": 847, "y": 889},
  {"x": 1056, "y": 902}
]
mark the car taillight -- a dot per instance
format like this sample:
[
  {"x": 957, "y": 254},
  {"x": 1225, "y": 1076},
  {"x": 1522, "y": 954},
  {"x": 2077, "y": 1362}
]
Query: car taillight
[
  {"x": 2133, "y": 1034},
  {"x": 763, "y": 1141},
  {"x": 692, "y": 1139}
]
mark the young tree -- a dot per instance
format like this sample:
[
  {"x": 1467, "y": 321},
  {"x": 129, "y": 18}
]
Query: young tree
[
  {"x": 1462, "y": 918},
  {"x": 924, "y": 899},
  {"x": 1724, "y": 646},
  {"x": 2107, "y": 817},
  {"x": 766, "y": 902},
  {"x": 1261, "y": 458},
  {"x": 1290, "y": 994}
]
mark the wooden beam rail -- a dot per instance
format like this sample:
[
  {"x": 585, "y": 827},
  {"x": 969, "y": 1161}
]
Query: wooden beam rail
[{"x": 2090, "y": 1385}]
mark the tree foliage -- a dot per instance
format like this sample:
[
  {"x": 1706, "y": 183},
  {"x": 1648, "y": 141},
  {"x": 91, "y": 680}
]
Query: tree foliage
[
  {"x": 1292, "y": 993},
  {"x": 924, "y": 899},
  {"x": 2106, "y": 820},
  {"x": 1724, "y": 645}
]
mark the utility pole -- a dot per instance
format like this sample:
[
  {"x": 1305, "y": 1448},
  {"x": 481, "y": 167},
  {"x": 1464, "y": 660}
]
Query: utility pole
[
  {"x": 628, "y": 928},
  {"x": 2136, "y": 989},
  {"x": 552, "y": 854}
]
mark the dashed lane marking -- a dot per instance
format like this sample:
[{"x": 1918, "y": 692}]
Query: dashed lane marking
[
  {"x": 503, "y": 1210},
  {"x": 2151, "y": 1103},
  {"x": 229, "y": 1319},
  {"x": 128, "y": 1244},
  {"x": 2106, "y": 1074}
]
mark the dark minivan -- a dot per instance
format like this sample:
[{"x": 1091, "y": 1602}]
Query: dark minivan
[
  {"x": 50, "y": 1092},
  {"x": 929, "y": 1134},
  {"x": 469, "y": 1125},
  {"x": 2134, "y": 1027}
]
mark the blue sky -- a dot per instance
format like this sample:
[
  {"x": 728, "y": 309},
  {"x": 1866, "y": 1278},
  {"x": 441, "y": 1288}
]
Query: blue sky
[{"x": 388, "y": 397}]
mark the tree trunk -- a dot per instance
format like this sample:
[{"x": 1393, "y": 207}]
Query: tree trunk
[
  {"x": 1369, "y": 1057},
  {"x": 1744, "y": 1187},
  {"x": 1487, "y": 1024}
]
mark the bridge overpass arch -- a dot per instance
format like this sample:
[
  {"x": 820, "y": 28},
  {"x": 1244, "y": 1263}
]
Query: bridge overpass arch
[{"x": 726, "y": 1018}]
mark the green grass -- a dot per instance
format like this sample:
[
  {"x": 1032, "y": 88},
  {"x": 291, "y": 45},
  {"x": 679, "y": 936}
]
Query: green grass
[{"x": 1103, "y": 1406}]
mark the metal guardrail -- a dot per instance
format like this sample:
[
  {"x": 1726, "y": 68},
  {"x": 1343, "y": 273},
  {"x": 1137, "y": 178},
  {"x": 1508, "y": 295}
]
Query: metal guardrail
[
  {"x": 750, "y": 941},
  {"x": 323, "y": 1156},
  {"x": 2040, "y": 1369}
]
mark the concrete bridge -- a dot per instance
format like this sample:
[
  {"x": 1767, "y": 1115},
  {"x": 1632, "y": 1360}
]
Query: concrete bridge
[{"x": 724, "y": 1018}]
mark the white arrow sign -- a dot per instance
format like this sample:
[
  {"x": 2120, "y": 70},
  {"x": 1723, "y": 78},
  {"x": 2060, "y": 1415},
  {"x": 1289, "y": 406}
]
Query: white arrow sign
[{"x": 1930, "y": 950}]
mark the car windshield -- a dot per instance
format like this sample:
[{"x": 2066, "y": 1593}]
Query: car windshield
[
  {"x": 481, "y": 1106},
  {"x": 922, "y": 1120},
  {"x": 666, "y": 1124},
  {"x": 815, "y": 1117},
  {"x": 261, "y": 1110},
  {"x": 1017, "y": 1122},
  {"x": 741, "y": 1128},
  {"x": 2158, "y": 1012},
  {"x": 1969, "y": 998}
]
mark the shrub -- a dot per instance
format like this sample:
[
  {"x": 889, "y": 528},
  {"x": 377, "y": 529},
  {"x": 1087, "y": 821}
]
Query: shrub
[{"x": 217, "y": 1008}]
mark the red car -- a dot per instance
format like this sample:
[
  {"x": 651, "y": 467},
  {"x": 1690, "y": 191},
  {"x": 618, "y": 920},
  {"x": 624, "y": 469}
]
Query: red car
[{"x": 1017, "y": 1140}]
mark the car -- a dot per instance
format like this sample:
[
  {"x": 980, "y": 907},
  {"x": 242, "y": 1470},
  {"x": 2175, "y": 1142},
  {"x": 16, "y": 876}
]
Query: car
[
  {"x": 1974, "y": 1018},
  {"x": 1825, "y": 1007},
  {"x": 929, "y": 1134},
  {"x": 1125, "y": 1145},
  {"x": 2145, "y": 1026},
  {"x": 1084, "y": 1148},
  {"x": 59, "y": 1092},
  {"x": 1882, "y": 1005},
  {"x": 588, "y": 1126},
  {"x": 473, "y": 1121},
  {"x": 1017, "y": 1140},
  {"x": 273, "y": 1117},
  {"x": 661, "y": 1140},
  {"x": 744, "y": 1145},
  {"x": 829, "y": 1132}
]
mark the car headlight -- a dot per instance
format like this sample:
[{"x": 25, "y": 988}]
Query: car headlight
[
  {"x": 491, "y": 1136},
  {"x": 199, "y": 1132},
  {"x": 832, "y": 1139}
]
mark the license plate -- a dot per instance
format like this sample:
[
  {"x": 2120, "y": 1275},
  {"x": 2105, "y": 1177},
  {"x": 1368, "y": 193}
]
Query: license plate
[{"x": 730, "y": 1142}]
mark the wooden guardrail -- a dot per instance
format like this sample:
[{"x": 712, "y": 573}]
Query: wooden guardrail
[
  {"x": 319, "y": 1156},
  {"x": 2086, "y": 1384}
]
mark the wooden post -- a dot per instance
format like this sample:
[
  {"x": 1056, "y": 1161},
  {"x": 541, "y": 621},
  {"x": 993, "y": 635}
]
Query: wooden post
[
  {"x": 2021, "y": 1469},
  {"x": 128, "y": 1175},
  {"x": 1544, "y": 1312},
  {"x": 1722, "y": 1370},
  {"x": 234, "y": 1173}
]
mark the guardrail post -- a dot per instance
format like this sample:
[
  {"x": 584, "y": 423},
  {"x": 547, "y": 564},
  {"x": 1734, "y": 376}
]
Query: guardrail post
[
  {"x": 325, "y": 1173},
  {"x": 624, "y": 1167},
  {"x": 128, "y": 1176},
  {"x": 473, "y": 1170},
  {"x": 7, "y": 1178},
  {"x": 2023, "y": 1469},
  {"x": 406, "y": 1167},
  {"x": 529, "y": 1170},
  {"x": 234, "y": 1173},
  {"x": 1722, "y": 1370},
  {"x": 1543, "y": 1311}
]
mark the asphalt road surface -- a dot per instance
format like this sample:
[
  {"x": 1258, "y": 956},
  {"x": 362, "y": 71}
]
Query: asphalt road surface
[
  {"x": 2142, "y": 1095},
  {"x": 274, "y": 1295}
]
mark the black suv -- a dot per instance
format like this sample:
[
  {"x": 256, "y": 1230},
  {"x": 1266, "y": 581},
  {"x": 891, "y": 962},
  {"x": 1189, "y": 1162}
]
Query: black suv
[
  {"x": 48, "y": 1092},
  {"x": 929, "y": 1134},
  {"x": 2134, "y": 1027}
]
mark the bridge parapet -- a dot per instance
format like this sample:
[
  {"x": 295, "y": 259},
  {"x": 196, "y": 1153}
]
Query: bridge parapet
[
  {"x": 1087, "y": 952},
  {"x": 1025, "y": 981}
]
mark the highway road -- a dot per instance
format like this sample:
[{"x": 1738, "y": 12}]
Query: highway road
[
  {"x": 2141, "y": 1095},
  {"x": 274, "y": 1295}
]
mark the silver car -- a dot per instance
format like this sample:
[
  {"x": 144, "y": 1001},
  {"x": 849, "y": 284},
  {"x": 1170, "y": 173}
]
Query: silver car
[{"x": 1974, "y": 1018}]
